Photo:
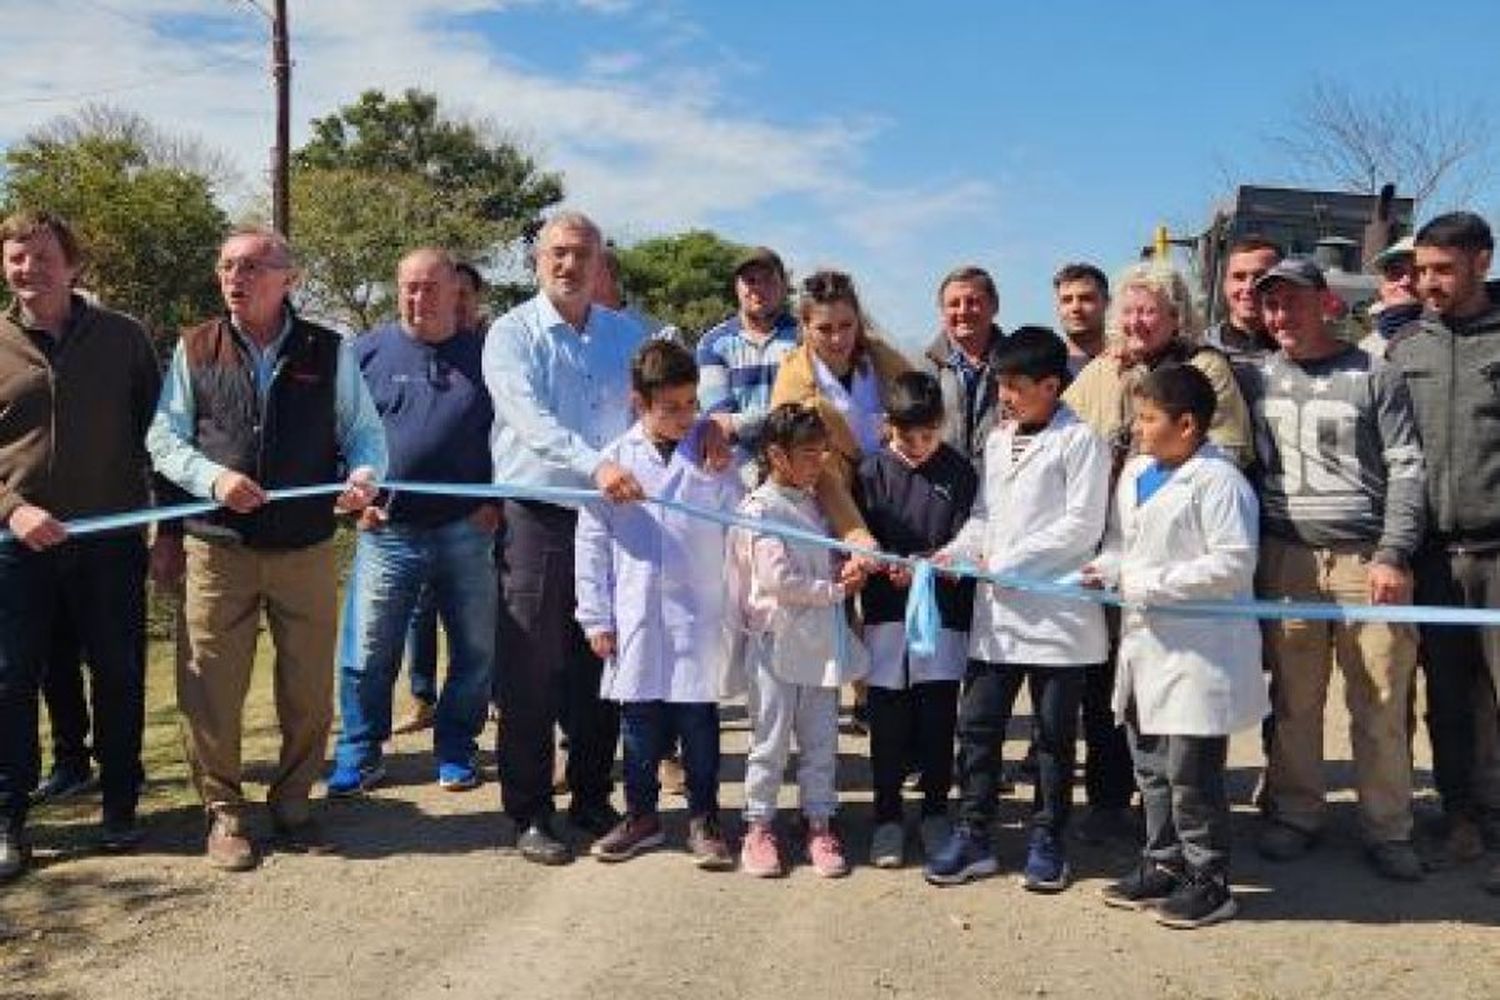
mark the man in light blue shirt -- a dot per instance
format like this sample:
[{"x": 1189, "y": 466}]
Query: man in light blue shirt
[
  {"x": 558, "y": 371},
  {"x": 256, "y": 400}
]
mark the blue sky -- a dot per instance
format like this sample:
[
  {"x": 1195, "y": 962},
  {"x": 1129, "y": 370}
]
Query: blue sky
[{"x": 893, "y": 139}]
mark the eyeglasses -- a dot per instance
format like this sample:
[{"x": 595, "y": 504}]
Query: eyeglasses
[{"x": 250, "y": 267}]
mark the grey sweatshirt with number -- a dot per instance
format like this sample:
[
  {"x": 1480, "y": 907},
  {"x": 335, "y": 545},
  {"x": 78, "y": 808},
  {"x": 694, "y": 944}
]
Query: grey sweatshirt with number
[{"x": 1342, "y": 462}]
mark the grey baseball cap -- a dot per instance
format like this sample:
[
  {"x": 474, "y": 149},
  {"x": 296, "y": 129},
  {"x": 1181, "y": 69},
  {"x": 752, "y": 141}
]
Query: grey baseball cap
[{"x": 1298, "y": 270}]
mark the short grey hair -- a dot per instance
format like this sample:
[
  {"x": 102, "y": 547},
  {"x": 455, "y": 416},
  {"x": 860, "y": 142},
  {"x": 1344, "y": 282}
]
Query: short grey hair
[
  {"x": 280, "y": 245},
  {"x": 570, "y": 220}
]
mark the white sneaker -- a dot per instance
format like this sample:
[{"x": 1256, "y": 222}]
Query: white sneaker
[
  {"x": 888, "y": 845},
  {"x": 935, "y": 832}
]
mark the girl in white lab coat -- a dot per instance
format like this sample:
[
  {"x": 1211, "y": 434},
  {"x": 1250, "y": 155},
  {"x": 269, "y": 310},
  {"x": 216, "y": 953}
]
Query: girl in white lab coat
[
  {"x": 651, "y": 600},
  {"x": 1186, "y": 528},
  {"x": 1041, "y": 516},
  {"x": 798, "y": 646}
]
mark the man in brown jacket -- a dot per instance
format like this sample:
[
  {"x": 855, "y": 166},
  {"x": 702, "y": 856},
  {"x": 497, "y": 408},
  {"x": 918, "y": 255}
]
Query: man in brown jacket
[{"x": 78, "y": 386}]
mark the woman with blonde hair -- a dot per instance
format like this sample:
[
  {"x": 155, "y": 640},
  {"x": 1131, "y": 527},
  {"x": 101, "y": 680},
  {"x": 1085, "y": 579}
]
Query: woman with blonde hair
[
  {"x": 1151, "y": 322},
  {"x": 845, "y": 372}
]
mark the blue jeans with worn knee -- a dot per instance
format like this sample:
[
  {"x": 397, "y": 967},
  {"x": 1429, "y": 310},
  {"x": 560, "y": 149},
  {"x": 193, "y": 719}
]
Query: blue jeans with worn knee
[{"x": 391, "y": 566}]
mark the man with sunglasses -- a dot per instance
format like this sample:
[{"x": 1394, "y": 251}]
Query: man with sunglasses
[
  {"x": 425, "y": 377},
  {"x": 255, "y": 400}
]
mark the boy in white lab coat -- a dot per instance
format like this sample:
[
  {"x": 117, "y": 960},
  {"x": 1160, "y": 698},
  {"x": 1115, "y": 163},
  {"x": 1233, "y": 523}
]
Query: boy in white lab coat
[
  {"x": 1040, "y": 515},
  {"x": 1186, "y": 528},
  {"x": 651, "y": 600}
]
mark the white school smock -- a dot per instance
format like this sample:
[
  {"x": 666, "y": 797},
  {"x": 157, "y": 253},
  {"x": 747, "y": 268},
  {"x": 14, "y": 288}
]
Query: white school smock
[
  {"x": 656, "y": 577},
  {"x": 793, "y": 608},
  {"x": 1039, "y": 515},
  {"x": 1196, "y": 538}
]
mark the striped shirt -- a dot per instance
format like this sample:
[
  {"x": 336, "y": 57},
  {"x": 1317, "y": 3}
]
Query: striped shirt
[{"x": 735, "y": 374}]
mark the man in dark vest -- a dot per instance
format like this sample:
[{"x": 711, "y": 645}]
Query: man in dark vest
[{"x": 256, "y": 400}]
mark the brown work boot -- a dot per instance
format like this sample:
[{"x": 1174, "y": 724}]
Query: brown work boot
[
  {"x": 419, "y": 717},
  {"x": 228, "y": 849}
]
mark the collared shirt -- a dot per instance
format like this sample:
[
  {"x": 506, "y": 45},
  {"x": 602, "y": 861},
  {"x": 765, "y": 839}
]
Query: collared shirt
[
  {"x": 736, "y": 374},
  {"x": 171, "y": 439},
  {"x": 561, "y": 394},
  {"x": 437, "y": 417}
]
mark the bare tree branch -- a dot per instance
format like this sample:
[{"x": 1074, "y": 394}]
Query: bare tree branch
[{"x": 1359, "y": 141}]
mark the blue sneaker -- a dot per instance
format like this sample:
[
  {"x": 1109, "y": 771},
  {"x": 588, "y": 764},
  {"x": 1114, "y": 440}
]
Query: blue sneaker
[
  {"x": 1046, "y": 868},
  {"x": 966, "y": 856},
  {"x": 459, "y": 777},
  {"x": 349, "y": 780}
]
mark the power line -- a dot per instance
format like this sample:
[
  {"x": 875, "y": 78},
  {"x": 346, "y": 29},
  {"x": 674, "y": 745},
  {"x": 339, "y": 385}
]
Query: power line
[{"x": 137, "y": 83}]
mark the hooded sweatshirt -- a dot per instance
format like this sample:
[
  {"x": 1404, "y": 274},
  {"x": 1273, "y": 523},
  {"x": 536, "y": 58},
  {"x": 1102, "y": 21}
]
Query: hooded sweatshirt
[{"x": 1452, "y": 368}]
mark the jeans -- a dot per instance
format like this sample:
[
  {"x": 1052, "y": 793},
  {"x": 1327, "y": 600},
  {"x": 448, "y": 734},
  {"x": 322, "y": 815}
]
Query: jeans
[
  {"x": 422, "y": 649},
  {"x": 648, "y": 729},
  {"x": 914, "y": 724},
  {"x": 391, "y": 566},
  {"x": 989, "y": 696},
  {"x": 549, "y": 670},
  {"x": 1182, "y": 794},
  {"x": 99, "y": 584}
]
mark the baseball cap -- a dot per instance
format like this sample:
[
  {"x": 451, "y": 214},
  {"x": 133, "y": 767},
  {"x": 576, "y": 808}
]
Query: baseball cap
[
  {"x": 759, "y": 257},
  {"x": 1406, "y": 246},
  {"x": 1298, "y": 270}
]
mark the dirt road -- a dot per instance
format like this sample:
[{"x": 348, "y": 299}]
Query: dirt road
[{"x": 426, "y": 901}]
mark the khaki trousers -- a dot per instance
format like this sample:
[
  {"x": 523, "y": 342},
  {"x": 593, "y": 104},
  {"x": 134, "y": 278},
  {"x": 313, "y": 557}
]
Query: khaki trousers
[
  {"x": 228, "y": 586},
  {"x": 1378, "y": 663}
]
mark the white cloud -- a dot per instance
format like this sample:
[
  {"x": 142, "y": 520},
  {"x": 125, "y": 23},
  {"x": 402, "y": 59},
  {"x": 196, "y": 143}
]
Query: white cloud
[
  {"x": 646, "y": 143},
  {"x": 615, "y": 63}
]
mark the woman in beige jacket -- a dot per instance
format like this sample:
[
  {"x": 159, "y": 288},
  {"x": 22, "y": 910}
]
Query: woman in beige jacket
[
  {"x": 1152, "y": 322},
  {"x": 846, "y": 373}
]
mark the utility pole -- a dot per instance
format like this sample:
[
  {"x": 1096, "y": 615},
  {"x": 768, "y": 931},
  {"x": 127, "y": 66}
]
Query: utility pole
[{"x": 281, "y": 73}]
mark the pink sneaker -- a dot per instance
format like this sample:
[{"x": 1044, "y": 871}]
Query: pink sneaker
[
  {"x": 826, "y": 851},
  {"x": 759, "y": 855}
]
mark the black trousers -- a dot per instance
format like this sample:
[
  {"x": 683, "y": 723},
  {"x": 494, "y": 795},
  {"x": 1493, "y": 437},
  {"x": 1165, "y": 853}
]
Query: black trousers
[
  {"x": 1462, "y": 667},
  {"x": 1108, "y": 777},
  {"x": 63, "y": 693},
  {"x": 984, "y": 712},
  {"x": 914, "y": 724},
  {"x": 545, "y": 670},
  {"x": 100, "y": 585}
]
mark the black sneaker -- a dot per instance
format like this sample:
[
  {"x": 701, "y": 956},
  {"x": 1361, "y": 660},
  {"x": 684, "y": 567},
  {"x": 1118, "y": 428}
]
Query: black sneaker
[
  {"x": 120, "y": 834},
  {"x": 1202, "y": 899},
  {"x": 64, "y": 783},
  {"x": 540, "y": 845},
  {"x": 1144, "y": 888}
]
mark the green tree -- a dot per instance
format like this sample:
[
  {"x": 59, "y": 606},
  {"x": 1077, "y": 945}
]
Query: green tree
[
  {"x": 150, "y": 227},
  {"x": 684, "y": 279},
  {"x": 383, "y": 175}
]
